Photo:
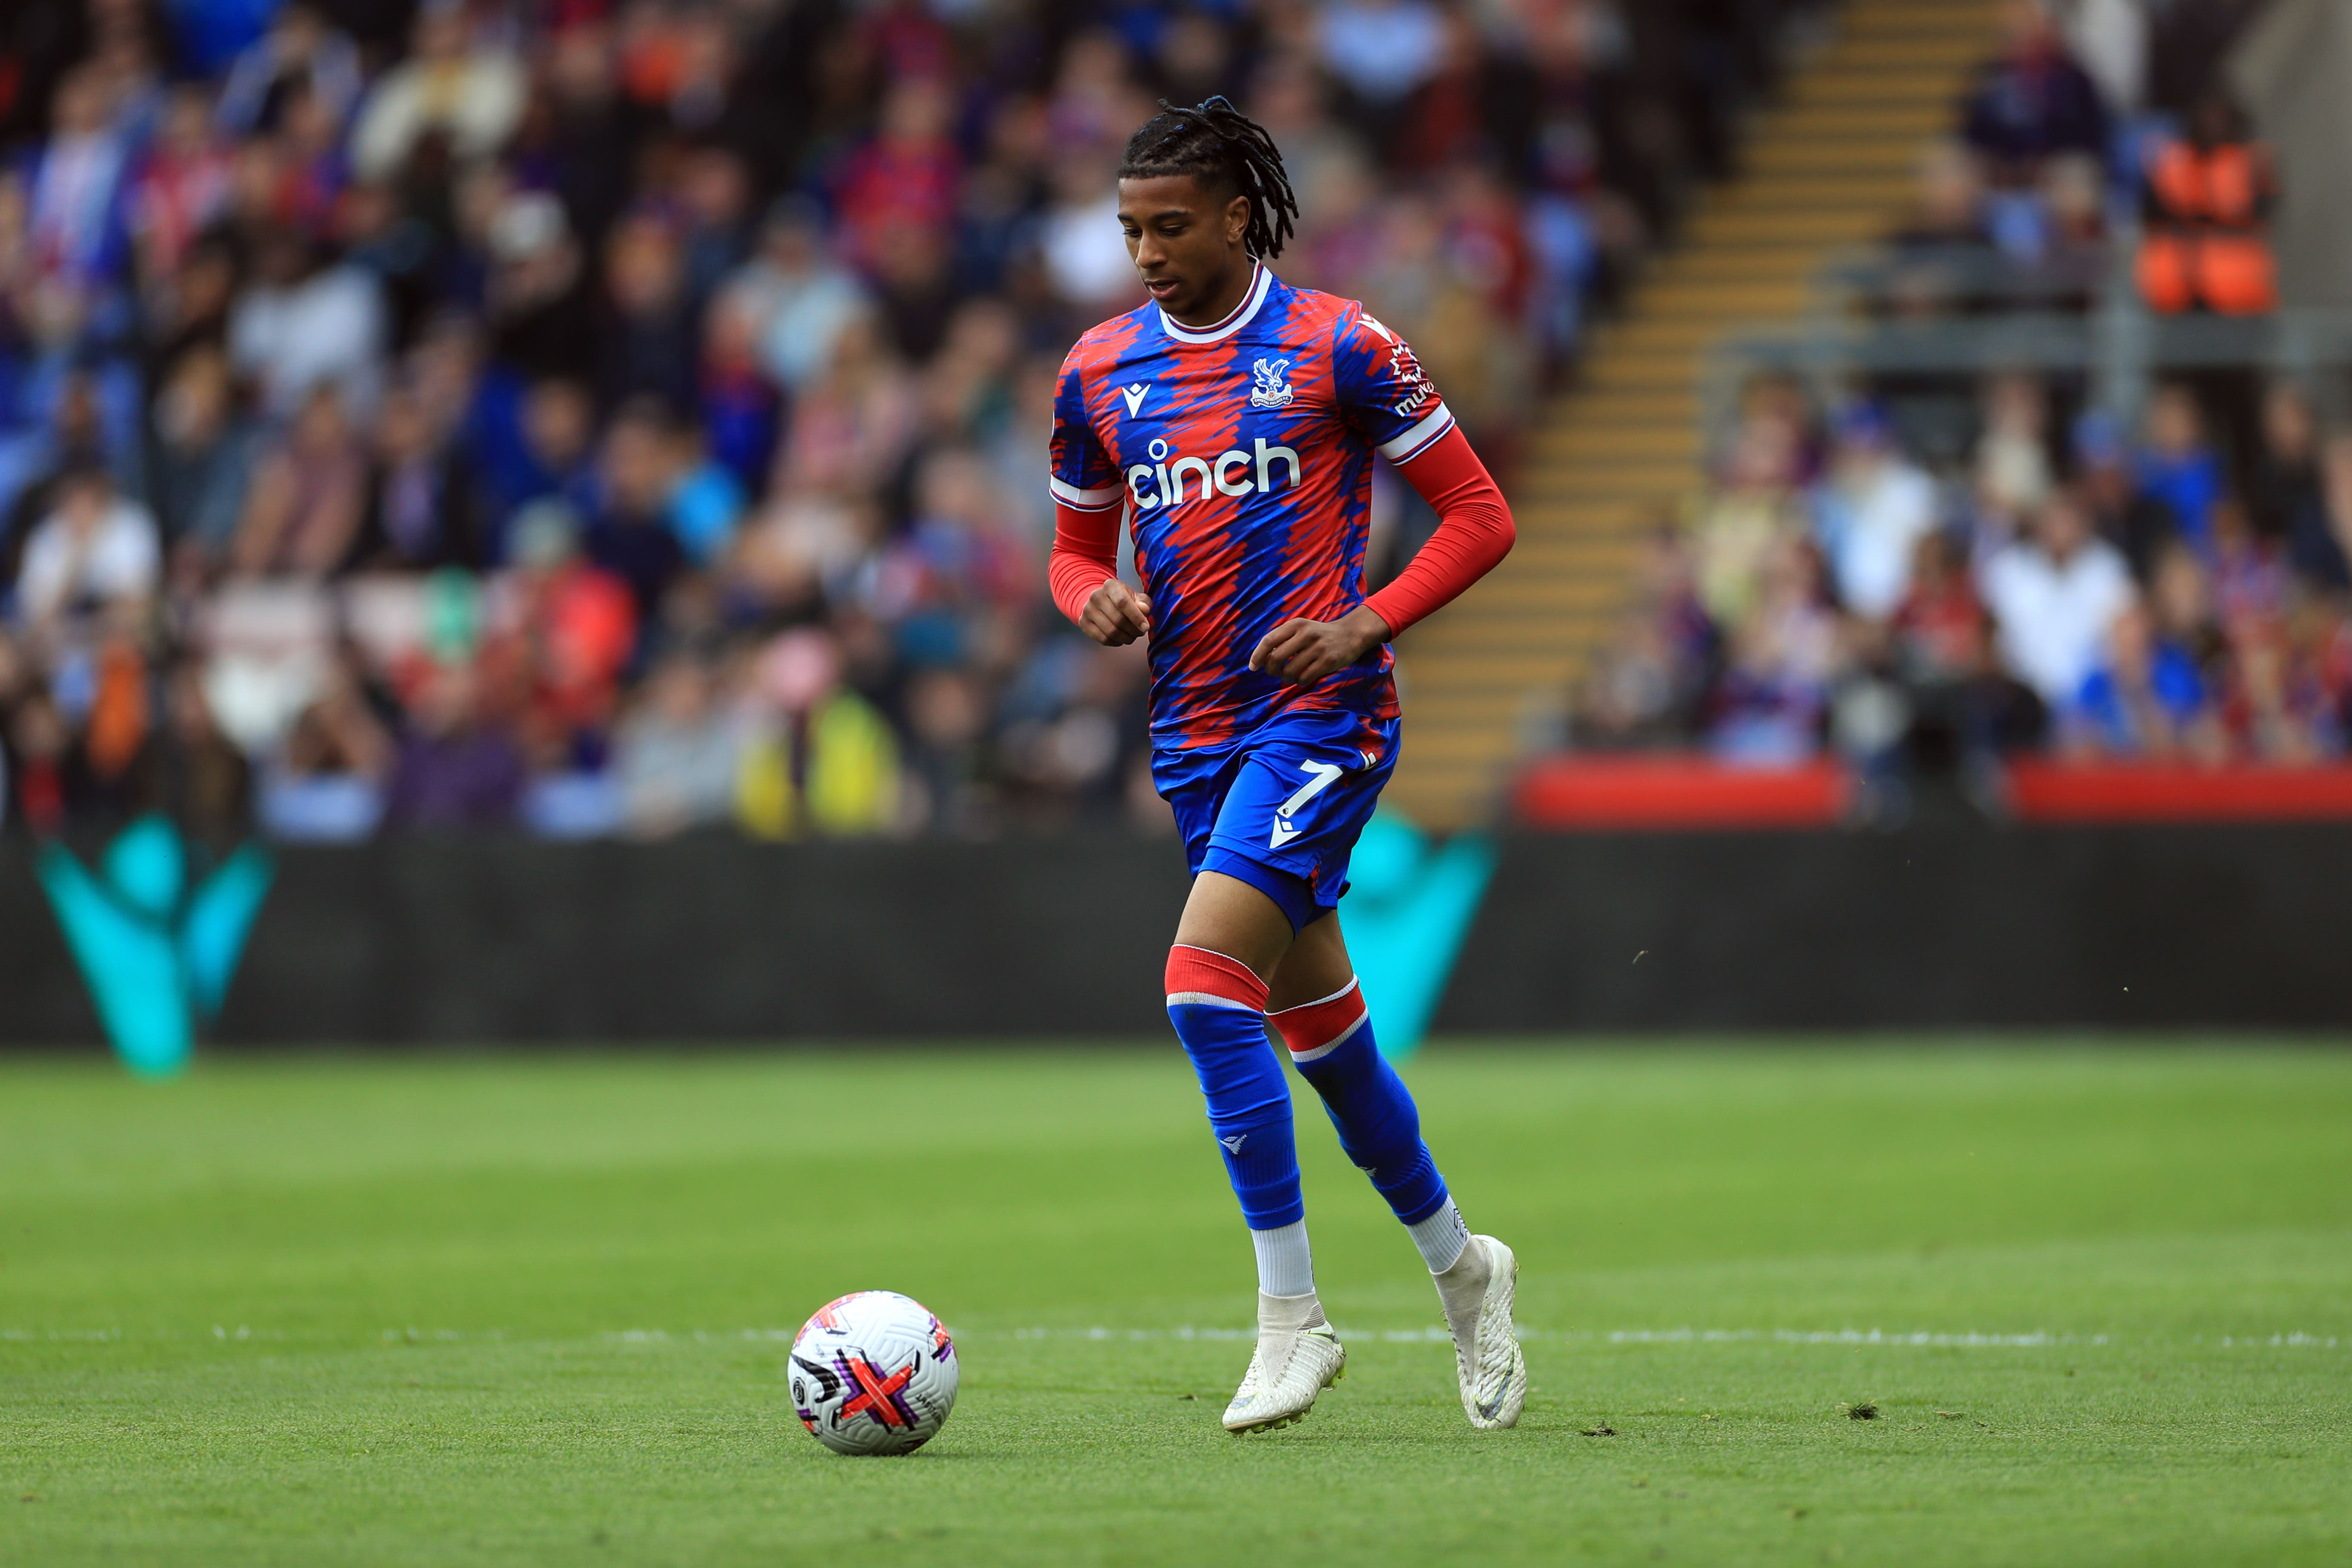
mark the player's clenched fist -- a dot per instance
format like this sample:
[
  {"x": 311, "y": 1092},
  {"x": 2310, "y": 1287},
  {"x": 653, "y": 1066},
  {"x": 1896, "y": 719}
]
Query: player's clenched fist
[
  {"x": 1116, "y": 615},
  {"x": 1303, "y": 652}
]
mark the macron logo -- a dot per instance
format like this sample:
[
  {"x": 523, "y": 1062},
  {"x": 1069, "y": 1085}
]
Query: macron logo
[
  {"x": 1233, "y": 1144},
  {"x": 1285, "y": 830},
  {"x": 1134, "y": 395}
]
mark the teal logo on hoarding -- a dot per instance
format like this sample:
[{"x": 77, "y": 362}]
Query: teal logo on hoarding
[
  {"x": 1408, "y": 908},
  {"x": 156, "y": 953}
]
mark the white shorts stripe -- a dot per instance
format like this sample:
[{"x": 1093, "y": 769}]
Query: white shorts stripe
[
  {"x": 1086, "y": 501},
  {"x": 1407, "y": 447},
  {"x": 1206, "y": 999}
]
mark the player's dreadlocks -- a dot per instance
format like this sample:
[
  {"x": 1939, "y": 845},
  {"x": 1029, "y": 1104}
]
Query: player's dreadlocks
[{"x": 1215, "y": 142}]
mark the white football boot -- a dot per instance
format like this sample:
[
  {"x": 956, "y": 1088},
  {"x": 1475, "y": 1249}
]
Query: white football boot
[
  {"x": 1476, "y": 1294},
  {"x": 1298, "y": 1357}
]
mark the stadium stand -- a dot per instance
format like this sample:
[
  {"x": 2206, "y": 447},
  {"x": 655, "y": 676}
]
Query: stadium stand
[
  {"x": 2041, "y": 494},
  {"x": 621, "y": 418},
  {"x": 1826, "y": 165}
]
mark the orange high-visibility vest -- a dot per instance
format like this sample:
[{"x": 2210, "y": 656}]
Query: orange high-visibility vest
[{"x": 2208, "y": 246}]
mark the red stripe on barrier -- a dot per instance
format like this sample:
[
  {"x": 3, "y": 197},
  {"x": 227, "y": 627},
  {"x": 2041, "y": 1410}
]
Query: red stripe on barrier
[
  {"x": 2161, "y": 792},
  {"x": 1669, "y": 792}
]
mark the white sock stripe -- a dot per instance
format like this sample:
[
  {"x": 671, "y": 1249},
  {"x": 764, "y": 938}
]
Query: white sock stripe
[
  {"x": 1206, "y": 999},
  {"x": 1354, "y": 981},
  {"x": 1335, "y": 1042}
]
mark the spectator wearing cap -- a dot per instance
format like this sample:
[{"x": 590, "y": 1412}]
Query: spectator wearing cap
[
  {"x": 1870, "y": 513},
  {"x": 2053, "y": 597}
]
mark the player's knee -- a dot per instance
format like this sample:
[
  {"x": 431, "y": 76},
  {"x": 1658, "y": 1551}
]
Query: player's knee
[{"x": 1218, "y": 1007}]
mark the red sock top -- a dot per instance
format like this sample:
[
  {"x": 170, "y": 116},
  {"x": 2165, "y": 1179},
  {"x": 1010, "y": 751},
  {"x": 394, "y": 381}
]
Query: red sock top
[
  {"x": 1314, "y": 1028},
  {"x": 1197, "y": 976}
]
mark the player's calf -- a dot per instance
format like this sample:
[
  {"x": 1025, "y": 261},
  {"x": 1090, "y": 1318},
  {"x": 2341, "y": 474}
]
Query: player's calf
[
  {"x": 1218, "y": 1005},
  {"x": 1332, "y": 1044}
]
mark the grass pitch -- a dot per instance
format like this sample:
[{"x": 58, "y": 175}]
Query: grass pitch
[{"x": 536, "y": 1310}]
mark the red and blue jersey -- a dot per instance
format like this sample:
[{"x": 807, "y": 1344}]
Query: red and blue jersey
[{"x": 1241, "y": 455}]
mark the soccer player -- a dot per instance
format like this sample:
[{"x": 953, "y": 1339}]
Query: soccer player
[{"x": 1231, "y": 422}]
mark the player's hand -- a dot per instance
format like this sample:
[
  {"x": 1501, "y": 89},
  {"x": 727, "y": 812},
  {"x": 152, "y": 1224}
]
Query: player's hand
[
  {"x": 1116, "y": 615},
  {"x": 1303, "y": 652}
]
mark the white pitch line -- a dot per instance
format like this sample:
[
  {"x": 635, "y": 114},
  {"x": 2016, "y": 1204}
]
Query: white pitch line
[
  {"x": 1919, "y": 1338},
  {"x": 1928, "y": 1339}
]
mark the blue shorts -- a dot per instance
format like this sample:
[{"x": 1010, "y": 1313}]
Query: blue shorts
[{"x": 1280, "y": 807}]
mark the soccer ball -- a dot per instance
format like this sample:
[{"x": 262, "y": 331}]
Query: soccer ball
[{"x": 873, "y": 1372}]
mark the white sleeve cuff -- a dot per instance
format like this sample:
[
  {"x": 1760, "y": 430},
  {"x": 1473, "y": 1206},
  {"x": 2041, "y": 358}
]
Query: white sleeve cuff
[
  {"x": 1086, "y": 501},
  {"x": 1413, "y": 442}
]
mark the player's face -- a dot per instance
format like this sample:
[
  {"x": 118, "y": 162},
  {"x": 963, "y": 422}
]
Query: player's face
[{"x": 1187, "y": 244}]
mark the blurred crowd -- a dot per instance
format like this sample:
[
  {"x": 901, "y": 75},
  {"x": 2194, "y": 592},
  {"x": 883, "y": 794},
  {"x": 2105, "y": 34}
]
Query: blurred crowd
[
  {"x": 2073, "y": 586},
  {"x": 2088, "y": 112},
  {"x": 619, "y": 415},
  {"x": 1927, "y": 574}
]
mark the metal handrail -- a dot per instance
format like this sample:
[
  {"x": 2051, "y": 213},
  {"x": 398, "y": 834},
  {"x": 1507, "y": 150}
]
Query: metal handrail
[{"x": 2119, "y": 347}]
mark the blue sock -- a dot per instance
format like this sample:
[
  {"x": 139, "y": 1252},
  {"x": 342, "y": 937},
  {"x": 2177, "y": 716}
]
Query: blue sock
[
  {"x": 1219, "y": 1009},
  {"x": 1332, "y": 1044}
]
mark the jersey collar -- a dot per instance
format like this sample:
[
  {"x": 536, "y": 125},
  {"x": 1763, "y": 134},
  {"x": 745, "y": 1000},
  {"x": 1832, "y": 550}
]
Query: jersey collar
[{"x": 1261, "y": 284}]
